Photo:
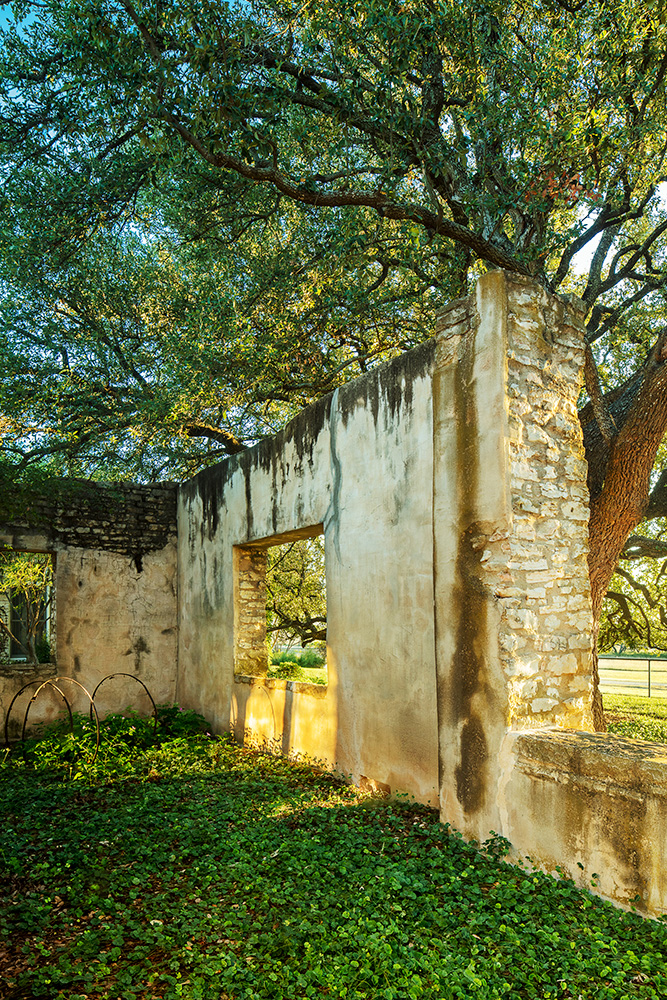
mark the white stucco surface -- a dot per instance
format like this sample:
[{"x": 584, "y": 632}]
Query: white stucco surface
[{"x": 359, "y": 464}]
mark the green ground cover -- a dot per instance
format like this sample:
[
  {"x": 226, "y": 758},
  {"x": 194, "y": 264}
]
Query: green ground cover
[
  {"x": 635, "y": 716},
  {"x": 188, "y": 867}
]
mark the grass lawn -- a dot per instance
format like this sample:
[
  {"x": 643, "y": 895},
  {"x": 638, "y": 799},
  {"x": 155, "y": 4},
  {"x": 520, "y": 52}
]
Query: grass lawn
[
  {"x": 632, "y": 715},
  {"x": 312, "y": 675},
  {"x": 192, "y": 868}
]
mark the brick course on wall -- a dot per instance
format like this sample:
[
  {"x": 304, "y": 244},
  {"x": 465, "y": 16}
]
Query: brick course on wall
[{"x": 126, "y": 518}]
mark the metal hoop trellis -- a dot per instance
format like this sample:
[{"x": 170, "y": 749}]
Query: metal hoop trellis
[
  {"x": 120, "y": 673},
  {"x": 52, "y": 682}
]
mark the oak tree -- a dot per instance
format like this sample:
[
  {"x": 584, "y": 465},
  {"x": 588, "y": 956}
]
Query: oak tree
[{"x": 411, "y": 143}]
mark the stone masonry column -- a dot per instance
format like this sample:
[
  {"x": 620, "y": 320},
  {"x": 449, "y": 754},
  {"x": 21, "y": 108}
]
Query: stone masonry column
[
  {"x": 510, "y": 518},
  {"x": 250, "y": 650}
]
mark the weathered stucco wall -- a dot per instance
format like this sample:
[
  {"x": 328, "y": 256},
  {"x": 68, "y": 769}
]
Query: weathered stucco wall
[
  {"x": 592, "y": 804},
  {"x": 115, "y": 592},
  {"x": 112, "y": 617},
  {"x": 483, "y": 462},
  {"x": 357, "y": 466},
  {"x": 512, "y": 602}
]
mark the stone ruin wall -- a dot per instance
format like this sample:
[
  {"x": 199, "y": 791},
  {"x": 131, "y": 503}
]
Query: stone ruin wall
[
  {"x": 127, "y": 518},
  {"x": 512, "y": 607},
  {"x": 513, "y": 611},
  {"x": 504, "y": 520},
  {"x": 544, "y": 585},
  {"x": 535, "y": 564},
  {"x": 115, "y": 585}
]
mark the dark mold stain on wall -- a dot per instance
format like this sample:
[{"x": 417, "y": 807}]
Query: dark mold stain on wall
[
  {"x": 470, "y": 773},
  {"x": 209, "y": 485},
  {"x": 392, "y": 381},
  {"x": 469, "y": 672},
  {"x": 139, "y": 646},
  {"x": 471, "y": 601},
  {"x": 333, "y": 514}
]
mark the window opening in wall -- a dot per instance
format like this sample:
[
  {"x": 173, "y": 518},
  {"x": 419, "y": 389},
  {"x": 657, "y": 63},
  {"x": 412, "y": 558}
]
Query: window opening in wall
[
  {"x": 280, "y": 617},
  {"x": 26, "y": 604},
  {"x": 296, "y": 610}
]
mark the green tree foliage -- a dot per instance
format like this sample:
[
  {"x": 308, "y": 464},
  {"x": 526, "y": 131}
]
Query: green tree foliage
[
  {"x": 264, "y": 199},
  {"x": 25, "y": 578},
  {"x": 296, "y": 603}
]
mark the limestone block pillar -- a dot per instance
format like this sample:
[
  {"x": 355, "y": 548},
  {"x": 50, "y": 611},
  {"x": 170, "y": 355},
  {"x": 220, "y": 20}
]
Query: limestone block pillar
[
  {"x": 512, "y": 599},
  {"x": 250, "y": 649}
]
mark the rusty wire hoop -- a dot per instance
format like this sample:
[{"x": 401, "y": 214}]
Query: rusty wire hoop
[
  {"x": 121, "y": 673},
  {"x": 18, "y": 695},
  {"x": 93, "y": 710},
  {"x": 51, "y": 682}
]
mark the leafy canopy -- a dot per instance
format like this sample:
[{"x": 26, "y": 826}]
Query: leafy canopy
[{"x": 213, "y": 213}]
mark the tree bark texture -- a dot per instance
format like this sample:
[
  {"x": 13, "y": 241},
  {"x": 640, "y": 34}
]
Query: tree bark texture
[{"x": 620, "y": 477}]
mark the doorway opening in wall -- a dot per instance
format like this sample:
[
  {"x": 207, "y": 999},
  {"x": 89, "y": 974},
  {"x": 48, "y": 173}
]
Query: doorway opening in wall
[
  {"x": 296, "y": 610},
  {"x": 26, "y": 607}
]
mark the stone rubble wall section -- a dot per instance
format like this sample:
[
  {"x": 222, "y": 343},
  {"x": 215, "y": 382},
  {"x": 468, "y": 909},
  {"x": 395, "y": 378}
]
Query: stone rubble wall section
[
  {"x": 547, "y": 639},
  {"x": 126, "y": 518},
  {"x": 250, "y": 648},
  {"x": 536, "y": 567}
]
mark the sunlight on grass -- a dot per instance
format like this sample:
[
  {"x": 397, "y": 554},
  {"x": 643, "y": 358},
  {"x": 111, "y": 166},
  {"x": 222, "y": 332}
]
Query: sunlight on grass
[
  {"x": 636, "y": 717},
  {"x": 194, "y": 868}
]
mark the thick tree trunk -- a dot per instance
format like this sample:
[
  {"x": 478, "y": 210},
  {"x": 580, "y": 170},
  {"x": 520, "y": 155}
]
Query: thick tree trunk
[{"x": 619, "y": 479}]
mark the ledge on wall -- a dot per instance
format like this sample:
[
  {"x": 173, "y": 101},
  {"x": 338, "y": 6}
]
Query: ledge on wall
[
  {"x": 280, "y": 684},
  {"x": 597, "y": 761},
  {"x": 597, "y": 800},
  {"x": 21, "y": 668}
]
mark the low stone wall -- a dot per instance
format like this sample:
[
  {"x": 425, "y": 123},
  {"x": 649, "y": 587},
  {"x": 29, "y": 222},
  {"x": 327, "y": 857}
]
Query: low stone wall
[
  {"x": 592, "y": 804},
  {"x": 289, "y": 716}
]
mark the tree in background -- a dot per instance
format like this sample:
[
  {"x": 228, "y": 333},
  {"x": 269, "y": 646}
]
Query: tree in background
[
  {"x": 296, "y": 602},
  {"x": 262, "y": 199},
  {"x": 25, "y": 579},
  {"x": 636, "y": 607}
]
